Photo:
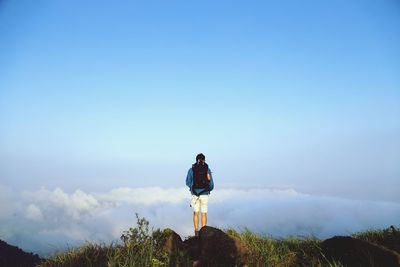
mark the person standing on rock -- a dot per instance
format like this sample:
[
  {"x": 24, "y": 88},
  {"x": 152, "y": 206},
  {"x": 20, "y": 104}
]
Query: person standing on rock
[{"x": 199, "y": 180}]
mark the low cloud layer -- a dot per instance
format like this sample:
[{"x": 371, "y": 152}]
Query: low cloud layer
[{"x": 45, "y": 221}]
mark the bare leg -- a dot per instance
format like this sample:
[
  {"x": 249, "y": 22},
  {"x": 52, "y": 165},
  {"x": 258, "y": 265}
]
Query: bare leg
[
  {"x": 196, "y": 221},
  {"x": 203, "y": 219}
]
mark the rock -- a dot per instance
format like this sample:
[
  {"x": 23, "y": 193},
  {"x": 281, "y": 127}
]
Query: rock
[
  {"x": 177, "y": 251},
  {"x": 354, "y": 252},
  {"x": 393, "y": 240},
  {"x": 217, "y": 248},
  {"x": 196, "y": 263},
  {"x": 173, "y": 242},
  {"x": 193, "y": 245}
]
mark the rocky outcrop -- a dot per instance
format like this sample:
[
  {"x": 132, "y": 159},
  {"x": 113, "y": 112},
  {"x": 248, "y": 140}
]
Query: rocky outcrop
[
  {"x": 173, "y": 242},
  {"x": 193, "y": 247},
  {"x": 214, "y": 247},
  {"x": 11, "y": 256},
  {"x": 353, "y": 252}
]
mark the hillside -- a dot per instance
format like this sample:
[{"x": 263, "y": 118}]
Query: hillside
[
  {"x": 11, "y": 256},
  {"x": 214, "y": 247}
]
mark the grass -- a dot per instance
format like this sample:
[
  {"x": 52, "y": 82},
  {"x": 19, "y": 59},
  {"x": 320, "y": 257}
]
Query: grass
[
  {"x": 387, "y": 237},
  {"x": 142, "y": 246},
  {"x": 291, "y": 251}
]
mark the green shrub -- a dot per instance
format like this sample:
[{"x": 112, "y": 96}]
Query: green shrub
[{"x": 141, "y": 247}]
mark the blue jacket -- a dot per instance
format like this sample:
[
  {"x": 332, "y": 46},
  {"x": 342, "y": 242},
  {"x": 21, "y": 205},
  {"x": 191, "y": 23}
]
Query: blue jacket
[{"x": 189, "y": 182}]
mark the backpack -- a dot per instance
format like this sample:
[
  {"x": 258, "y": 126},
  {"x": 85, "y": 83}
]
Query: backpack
[{"x": 200, "y": 180}]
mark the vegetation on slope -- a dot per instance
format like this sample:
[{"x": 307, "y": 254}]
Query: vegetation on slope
[{"x": 142, "y": 246}]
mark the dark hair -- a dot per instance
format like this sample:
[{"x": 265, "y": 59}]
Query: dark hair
[{"x": 200, "y": 158}]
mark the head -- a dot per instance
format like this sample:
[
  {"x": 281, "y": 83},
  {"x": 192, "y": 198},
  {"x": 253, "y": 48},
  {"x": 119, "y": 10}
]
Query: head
[{"x": 200, "y": 158}]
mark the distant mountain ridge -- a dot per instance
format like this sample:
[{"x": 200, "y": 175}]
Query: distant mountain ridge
[{"x": 11, "y": 256}]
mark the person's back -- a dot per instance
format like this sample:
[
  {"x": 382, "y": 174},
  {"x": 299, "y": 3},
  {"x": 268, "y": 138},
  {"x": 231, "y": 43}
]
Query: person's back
[{"x": 199, "y": 180}]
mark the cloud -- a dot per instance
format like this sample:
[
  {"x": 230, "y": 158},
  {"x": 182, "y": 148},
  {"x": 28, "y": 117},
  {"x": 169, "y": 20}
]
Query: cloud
[
  {"x": 44, "y": 221},
  {"x": 7, "y": 202},
  {"x": 76, "y": 204},
  {"x": 145, "y": 196},
  {"x": 34, "y": 213}
]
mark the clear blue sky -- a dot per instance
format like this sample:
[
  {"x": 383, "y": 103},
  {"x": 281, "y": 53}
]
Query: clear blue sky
[{"x": 299, "y": 94}]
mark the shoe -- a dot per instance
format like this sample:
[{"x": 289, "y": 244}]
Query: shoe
[{"x": 196, "y": 233}]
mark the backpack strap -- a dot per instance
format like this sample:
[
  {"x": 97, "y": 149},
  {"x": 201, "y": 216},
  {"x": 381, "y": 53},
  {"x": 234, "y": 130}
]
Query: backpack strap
[{"x": 202, "y": 191}]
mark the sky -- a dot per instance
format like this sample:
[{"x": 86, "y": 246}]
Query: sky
[{"x": 296, "y": 105}]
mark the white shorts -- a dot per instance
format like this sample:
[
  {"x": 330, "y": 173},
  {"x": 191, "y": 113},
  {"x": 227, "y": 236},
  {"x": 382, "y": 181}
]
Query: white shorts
[{"x": 199, "y": 202}]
